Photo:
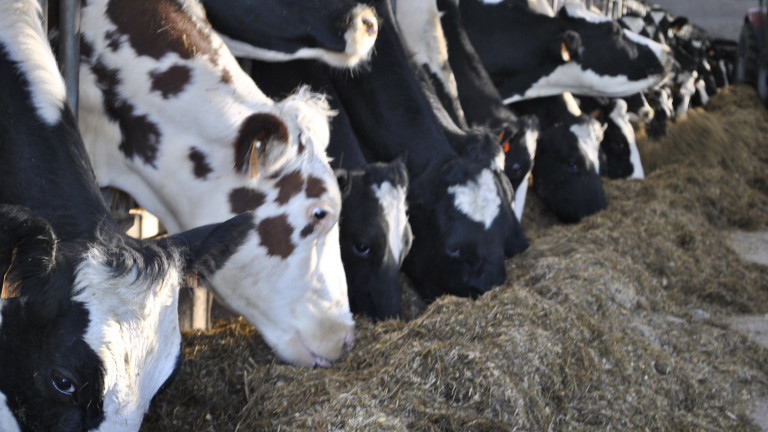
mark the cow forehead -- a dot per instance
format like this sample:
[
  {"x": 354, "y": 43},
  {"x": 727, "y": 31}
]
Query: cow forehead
[
  {"x": 133, "y": 328},
  {"x": 392, "y": 201},
  {"x": 589, "y": 135},
  {"x": 478, "y": 199},
  {"x": 27, "y": 49}
]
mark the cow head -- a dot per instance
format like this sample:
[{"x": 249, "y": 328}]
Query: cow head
[
  {"x": 462, "y": 214},
  {"x": 375, "y": 238},
  {"x": 169, "y": 117},
  {"x": 566, "y": 169},
  {"x": 518, "y": 143},
  {"x": 341, "y": 33},
  {"x": 622, "y": 158},
  {"x": 89, "y": 330}
]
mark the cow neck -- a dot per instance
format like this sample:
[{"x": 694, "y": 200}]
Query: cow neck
[
  {"x": 63, "y": 187},
  {"x": 479, "y": 98},
  {"x": 387, "y": 105}
]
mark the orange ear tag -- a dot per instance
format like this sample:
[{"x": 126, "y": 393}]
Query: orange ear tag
[
  {"x": 253, "y": 160},
  {"x": 505, "y": 146},
  {"x": 564, "y": 52}
]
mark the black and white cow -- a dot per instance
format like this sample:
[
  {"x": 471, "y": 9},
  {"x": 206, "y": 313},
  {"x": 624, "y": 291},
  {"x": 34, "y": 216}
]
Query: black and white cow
[
  {"x": 374, "y": 231},
  {"x": 89, "y": 328},
  {"x": 431, "y": 31},
  {"x": 169, "y": 117},
  {"x": 566, "y": 168},
  {"x": 532, "y": 55},
  {"x": 340, "y": 33},
  {"x": 622, "y": 158},
  {"x": 458, "y": 204}
]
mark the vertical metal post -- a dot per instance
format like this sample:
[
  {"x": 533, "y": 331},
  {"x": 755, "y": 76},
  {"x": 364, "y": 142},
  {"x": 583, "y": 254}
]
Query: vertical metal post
[
  {"x": 44, "y": 9},
  {"x": 69, "y": 48}
]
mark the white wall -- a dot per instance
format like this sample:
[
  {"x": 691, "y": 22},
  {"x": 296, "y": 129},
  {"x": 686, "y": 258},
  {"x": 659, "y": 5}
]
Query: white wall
[{"x": 721, "y": 18}]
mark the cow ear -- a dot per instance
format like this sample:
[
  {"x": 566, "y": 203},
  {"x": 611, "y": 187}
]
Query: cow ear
[
  {"x": 27, "y": 249},
  {"x": 261, "y": 145},
  {"x": 677, "y": 24},
  {"x": 569, "y": 46},
  {"x": 345, "y": 183},
  {"x": 208, "y": 247}
]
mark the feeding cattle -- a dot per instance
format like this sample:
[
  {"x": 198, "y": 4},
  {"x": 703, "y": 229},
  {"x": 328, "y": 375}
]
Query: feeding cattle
[
  {"x": 462, "y": 226},
  {"x": 169, "y": 117},
  {"x": 433, "y": 30},
  {"x": 567, "y": 163},
  {"x": 340, "y": 33},
  {"x": 532, "y": 55},
  {"x": 622, "y": 158},
  {"x": 374, "y": 231},
  {"x": 89, "y": 328}
]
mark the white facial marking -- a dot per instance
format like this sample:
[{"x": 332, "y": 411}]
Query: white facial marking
[
  {"x": 21, "y": 34},
  {"x": 478, "y": 199},
  {"x": 520, "y": 194},
  {"x": 359, "y": 41},
  {"x": 392, "y": 200},
  {"x": 687, "y": 83},
  {"x": 701, "y": 89},
  {"x": 570, "y": 77},
  {"x": 8, "y": 422},
  {"x": 589, "y": 137},
  {"x": 134, "y": 329},
  {"x": 657, "y": 16},
  {"x": 621, "y": 119}
]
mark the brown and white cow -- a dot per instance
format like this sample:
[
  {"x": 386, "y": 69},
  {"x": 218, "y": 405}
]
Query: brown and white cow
[{"x": 168, "y": 116}]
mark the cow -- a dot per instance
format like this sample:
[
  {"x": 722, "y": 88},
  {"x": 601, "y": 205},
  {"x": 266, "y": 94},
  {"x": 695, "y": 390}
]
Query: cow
[
  {"x": 534, "y": 55},
  {"x": 374, "y": 231},
  {"x": 459, "y": 204},
  {"x": 169, "y": 117},
  {"x": 566, "y": 168},
  {"x": 89, "y": 329},
  {"x": 431, "y": 30},
  {"x": 622, "y": 158},
  {"x": 340, "y": 33}
]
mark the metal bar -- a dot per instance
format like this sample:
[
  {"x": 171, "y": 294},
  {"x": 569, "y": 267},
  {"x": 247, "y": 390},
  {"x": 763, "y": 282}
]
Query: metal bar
[
  {"x": 69, "y": 48},
  {"x": 44, "y": 9}
]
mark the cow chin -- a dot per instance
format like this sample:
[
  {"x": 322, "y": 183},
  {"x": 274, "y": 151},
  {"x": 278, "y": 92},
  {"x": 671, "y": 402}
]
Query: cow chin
[
  {"x": 298, "y": 303},
  {"x": 361, "y": 35}
]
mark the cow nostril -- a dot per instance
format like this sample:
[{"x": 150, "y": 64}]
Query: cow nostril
[
  {"x": 349, "y": 342},
  {"x": 370, "y": 26}
]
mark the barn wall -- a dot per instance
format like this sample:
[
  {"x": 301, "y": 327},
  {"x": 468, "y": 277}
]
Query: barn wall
[{"x": 721, "y": 18}]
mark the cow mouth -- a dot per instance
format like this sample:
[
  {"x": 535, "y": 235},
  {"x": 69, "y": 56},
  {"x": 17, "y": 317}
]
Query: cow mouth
[{"x": 319, "y": 361}]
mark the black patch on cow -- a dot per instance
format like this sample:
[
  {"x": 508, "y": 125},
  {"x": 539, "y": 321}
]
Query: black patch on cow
[
  {"x": 113, "y": 39},
  {"x": 267, "y": 128},
  {"x": 307, "y": 230},
  {"x": 245, "y": 199},
  {"x": 171, "y": 81},
  {"x": 201, "y": 169},
  {"x": 86, "y": 49},
  {"x": 290, "y": 185},
  {"x": 275, "y": 234},
  {"x": 315, "y": 187},
  {"x": 156, "y": 28},
  {"x": 140, "y": 136}
]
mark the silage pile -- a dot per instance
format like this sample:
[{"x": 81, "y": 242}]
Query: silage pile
[{"x": 615, "y": 323}]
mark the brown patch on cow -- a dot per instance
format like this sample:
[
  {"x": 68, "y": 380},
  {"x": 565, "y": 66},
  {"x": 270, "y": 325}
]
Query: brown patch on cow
[
  {"x": 158, "y": 27},
  {"x": 266, "y": 128},
  {"x": 307, "y": 230},
  {"x": 171, "y": 81},
  {"x": 113, "y": 39},
  {"x": 8, "y": 289},
  {"x": 226, "y": 76},
  {"x": 290, "y": 185},
  {"x": 139, "y": 135},
  {"x": 275, "y": 234},
  {"x": 244, "y": 199},
  {"x": 201, "y": 169},
  {"x": 315, "y": 187}
]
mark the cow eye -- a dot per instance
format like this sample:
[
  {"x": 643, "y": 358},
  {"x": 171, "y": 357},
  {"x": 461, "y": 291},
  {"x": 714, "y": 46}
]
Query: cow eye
[
  {"x": 573, "y": 166},
  {"x": 63, "y": 384},
  {"x": 361, "y": 249},
  {"x": 516, "y": 168},
  {"x": 454, "y": 253},
  {"x": 319, "y": 214}
]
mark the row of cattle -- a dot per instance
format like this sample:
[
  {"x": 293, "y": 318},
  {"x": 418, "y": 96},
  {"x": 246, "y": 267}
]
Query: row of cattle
[{"x": 423, "y": 123}]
